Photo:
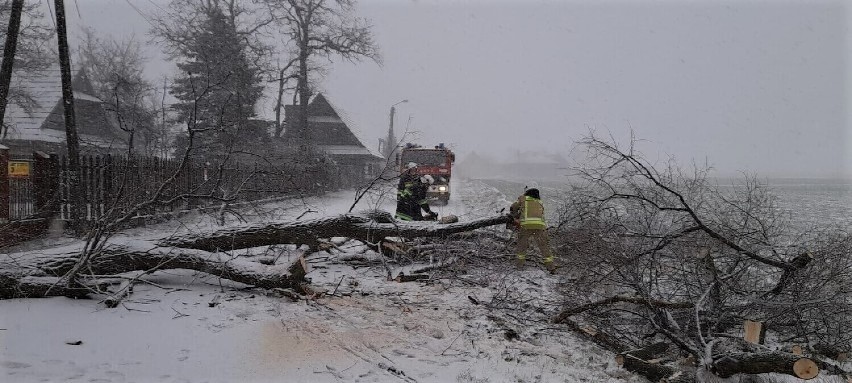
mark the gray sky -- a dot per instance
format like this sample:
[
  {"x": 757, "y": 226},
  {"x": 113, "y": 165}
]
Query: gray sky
[{"x": 746, "y": 85}]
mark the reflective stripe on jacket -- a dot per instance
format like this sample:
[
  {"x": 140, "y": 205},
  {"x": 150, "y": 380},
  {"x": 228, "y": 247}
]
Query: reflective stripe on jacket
[{"x": 532, "y": 214}]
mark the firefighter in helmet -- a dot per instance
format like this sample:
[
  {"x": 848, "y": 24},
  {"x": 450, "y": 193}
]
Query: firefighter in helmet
[
  {"x": 528, "y": 213},
  {"x": 411, "y": 195}
]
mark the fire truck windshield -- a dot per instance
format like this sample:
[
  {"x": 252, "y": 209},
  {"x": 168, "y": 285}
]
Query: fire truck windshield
[{"x": 425, "y": 157}]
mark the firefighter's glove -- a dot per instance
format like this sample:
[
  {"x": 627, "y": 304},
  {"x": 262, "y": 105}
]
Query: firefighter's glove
[{"x": 432, "y": 215}]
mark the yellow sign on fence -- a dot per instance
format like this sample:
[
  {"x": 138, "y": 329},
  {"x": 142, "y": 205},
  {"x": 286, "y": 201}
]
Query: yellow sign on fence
[{"x": 19, "y": 169}]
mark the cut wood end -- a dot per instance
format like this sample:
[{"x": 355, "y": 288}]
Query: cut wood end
[
  {"x": 805, "y": 368},
  {"x": 751, "y": 331},
  {"x": 304, "y": 264},
  {"x": 796, "y": 350}
]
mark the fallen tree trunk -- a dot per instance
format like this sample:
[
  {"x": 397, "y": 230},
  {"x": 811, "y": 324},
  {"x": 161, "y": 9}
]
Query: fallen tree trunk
[
  {"x": 364, "y": 227},
  {"x": 40, "y": 276}
]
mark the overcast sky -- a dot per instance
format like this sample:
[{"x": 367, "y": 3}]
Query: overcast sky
[{"x": 745, "y": 85}]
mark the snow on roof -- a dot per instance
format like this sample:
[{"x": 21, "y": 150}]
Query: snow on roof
[
  {"x": 35, "y": 113},
  {"x": 353, "y": 127},
  {"x": 329, "y": 128},
  {"x": 345, "y": 150}
]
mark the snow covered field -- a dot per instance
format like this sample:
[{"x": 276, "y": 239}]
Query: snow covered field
[{"x": 190, "y": 327}]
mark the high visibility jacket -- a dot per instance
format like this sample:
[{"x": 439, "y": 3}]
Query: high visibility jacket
[{"x": 530, "y": 212}]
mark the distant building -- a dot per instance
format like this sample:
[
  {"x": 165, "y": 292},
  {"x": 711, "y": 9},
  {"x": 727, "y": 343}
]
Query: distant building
[
  {"x": 35, "y": 118},
  {"x": 329, "y": 133}
]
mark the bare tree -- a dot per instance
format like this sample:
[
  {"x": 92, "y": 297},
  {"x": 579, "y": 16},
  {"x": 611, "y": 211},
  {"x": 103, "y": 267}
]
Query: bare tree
[
  {"x": 320, "y": 29},
  {"x": 115, "y": 69},
  {"x": 660, "y": 254}
]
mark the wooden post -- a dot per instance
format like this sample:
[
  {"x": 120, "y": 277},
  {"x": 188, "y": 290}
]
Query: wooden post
[
  {"x": 46, "y": 184},
  {"x": 4, "y": 184},
  {"x": 754, "y": 332}
]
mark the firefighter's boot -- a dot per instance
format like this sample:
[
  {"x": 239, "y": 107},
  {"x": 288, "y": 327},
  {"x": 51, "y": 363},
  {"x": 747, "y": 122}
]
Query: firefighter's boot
[
  {"x": 550, "y": 265},
  {"x": 520, "y": 261}
]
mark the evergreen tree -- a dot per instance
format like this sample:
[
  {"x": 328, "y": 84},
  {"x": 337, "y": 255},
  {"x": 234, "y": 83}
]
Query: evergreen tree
[{"x": 218, "y": 88}]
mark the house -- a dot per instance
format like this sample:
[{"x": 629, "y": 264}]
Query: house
[
  {"x": 329, "y": 133},
  {"x": 35, "y": 120}
]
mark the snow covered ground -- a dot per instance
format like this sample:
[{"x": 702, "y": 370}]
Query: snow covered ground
[{"x": 368, "y": 329}]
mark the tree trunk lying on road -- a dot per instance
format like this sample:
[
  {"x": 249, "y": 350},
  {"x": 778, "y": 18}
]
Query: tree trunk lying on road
[
  {"x": 39, "y": 274},
  {"x": 365, "y": 227}
]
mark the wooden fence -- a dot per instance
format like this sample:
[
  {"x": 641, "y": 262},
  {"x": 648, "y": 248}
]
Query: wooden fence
[{"x": 116, "y": 185}]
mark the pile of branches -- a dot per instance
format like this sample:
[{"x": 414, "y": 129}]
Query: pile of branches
[{"x": 657, "y": 256}]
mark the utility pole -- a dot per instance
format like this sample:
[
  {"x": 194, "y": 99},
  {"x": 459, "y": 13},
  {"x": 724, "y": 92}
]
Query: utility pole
[
  {"x": 9, "y": 58},
  {"x": 390, "y": 142},
  {"x": 71, "y": 139}
]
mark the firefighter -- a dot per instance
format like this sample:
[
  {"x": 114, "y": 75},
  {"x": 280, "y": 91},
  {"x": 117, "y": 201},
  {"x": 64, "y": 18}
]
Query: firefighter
[
  {"x": 411, "y": 195},
  {"x": 420, "y": 191},
  {"x": 528, "y": 212}
]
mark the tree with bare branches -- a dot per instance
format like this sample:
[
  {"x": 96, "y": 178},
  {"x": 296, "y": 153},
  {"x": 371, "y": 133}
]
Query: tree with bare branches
[
  {"x": 115, "y": 69},
  {"x": 657, "y": 253},
  {"x": 319, "y": 29}
]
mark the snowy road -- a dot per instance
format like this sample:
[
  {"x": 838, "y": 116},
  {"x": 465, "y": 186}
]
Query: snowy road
[{"x": 371, "y": 330}]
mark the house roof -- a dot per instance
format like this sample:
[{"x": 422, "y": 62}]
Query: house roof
[
  {"x": 36, "y": 114},
  {"x": 327, "y": 129}
]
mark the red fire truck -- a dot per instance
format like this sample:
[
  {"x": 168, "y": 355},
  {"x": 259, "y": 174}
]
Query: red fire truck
[{"x": 437, "y": 162}]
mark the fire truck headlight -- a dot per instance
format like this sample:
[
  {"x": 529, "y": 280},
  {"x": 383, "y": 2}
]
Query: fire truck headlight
[{"x": 442, "y": 188}]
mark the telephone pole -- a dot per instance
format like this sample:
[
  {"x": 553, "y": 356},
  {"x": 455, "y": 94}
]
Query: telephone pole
[
  {"x": 9, "y": 58},
  {"x": 71, "y": 139}
]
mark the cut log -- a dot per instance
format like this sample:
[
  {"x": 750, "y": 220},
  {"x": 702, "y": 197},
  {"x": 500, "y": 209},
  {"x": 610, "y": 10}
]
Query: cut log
[
  {"x": 124, "y": 290},
  {"x": 754, "y": 332},
  {"x": 729, "y": 364},
  {"x": 797, "y": 350}
]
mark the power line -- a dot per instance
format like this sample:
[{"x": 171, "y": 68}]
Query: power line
[
  {"x": 52, "y": 17},
  {"x": 77, "y": 5},
  {"x": 140, "y": 13}
]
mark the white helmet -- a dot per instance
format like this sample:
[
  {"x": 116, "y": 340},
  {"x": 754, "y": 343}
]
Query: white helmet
[
  {"x": 427, "y": 179},
  {"x": 410, "y": 165}
]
